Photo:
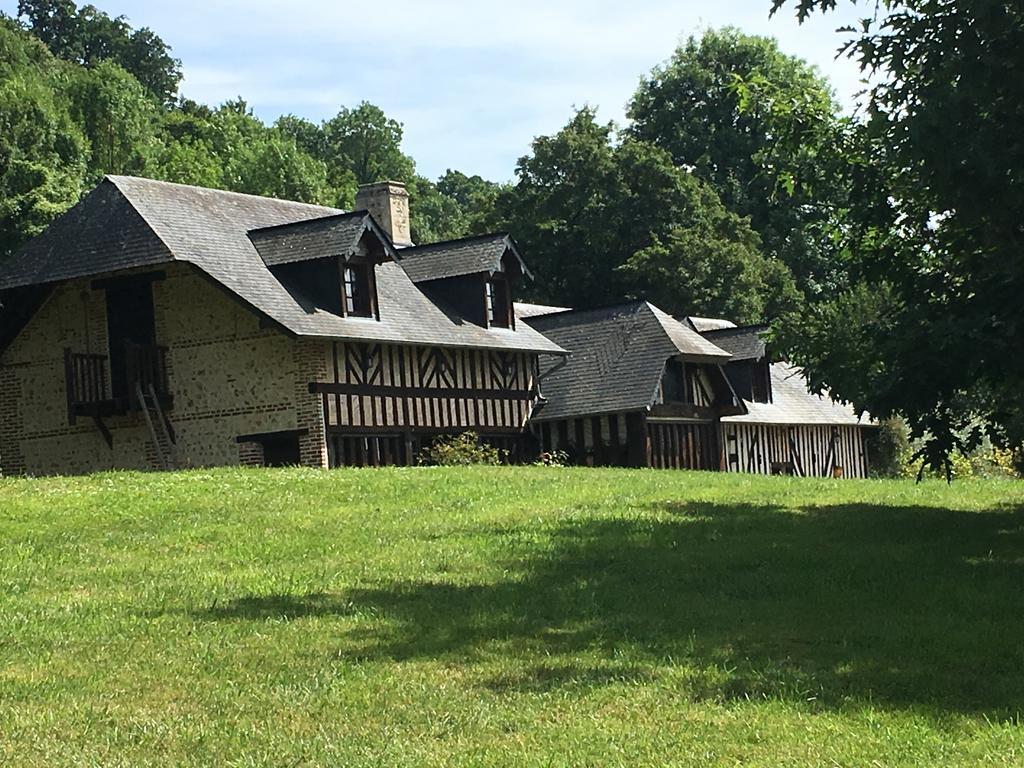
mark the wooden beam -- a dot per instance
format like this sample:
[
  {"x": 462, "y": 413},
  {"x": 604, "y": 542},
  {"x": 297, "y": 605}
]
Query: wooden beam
[{"x": 444, "y": 393}]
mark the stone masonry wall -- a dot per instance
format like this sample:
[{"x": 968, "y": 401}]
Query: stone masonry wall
[{"x": 229, "y": 377}]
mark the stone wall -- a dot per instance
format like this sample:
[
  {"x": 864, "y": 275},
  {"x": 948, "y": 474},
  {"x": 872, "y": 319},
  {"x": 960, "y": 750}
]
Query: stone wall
[{"x": 229, "y": 377}]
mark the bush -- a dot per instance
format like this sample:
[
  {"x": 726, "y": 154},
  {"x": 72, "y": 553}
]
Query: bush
[
  {"x": 460, "y": 450},
  {"x": 889, "y": 448}
]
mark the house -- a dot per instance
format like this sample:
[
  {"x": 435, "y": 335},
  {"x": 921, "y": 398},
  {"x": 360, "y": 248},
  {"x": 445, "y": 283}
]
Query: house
[
  {"x": 644, "y": 389},
  {"x": 158, "y": 325},
  {"x": 639, "y": 389},
  {"x": 785, "y": 429}
]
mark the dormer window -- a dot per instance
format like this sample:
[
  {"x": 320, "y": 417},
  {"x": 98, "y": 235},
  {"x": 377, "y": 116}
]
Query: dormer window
[
  {"x": 357, "y": 289},
  {"x": 499, "y": 310}
]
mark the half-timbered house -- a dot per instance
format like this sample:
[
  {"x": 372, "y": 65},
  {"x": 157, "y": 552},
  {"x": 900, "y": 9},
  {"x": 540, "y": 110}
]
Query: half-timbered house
[
  {"x": 785, "y": 428},
  {"x": 639, "y": 389},
  {"x": 159, "y": 325},
  {"x": 643, "y": 389}
]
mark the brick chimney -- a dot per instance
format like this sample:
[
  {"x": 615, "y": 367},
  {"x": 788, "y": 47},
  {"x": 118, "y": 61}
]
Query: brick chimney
[{"x": 388, "y": 203}]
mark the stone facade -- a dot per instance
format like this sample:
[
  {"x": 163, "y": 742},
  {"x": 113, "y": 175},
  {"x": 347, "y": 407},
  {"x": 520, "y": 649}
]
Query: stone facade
[{"x": 228, "y": 375}]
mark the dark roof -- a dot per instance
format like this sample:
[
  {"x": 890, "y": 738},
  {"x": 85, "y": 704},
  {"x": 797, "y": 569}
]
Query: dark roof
[
  {"x": 336, "y": 235},
  {"x": 617, "y": 356},
  {"x": 743, "y": 343},
  {"x": 793, "y": 403},
  {"x": 452, "y": 258},
  {"x": 130, "y": 222}
]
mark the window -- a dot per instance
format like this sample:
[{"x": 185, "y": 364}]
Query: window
[
  {"x": 497, "y": 303},
  {"x": 673, "y": 384},
  {"x": 356, "y": 285}
]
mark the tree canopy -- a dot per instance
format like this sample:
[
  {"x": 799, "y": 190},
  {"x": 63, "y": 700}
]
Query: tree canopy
[
  {"x": 606, "y": 220},
  {"x": 932, "y": 324},
  {"x": 763, "y": 129},
  {"x": 88, "y": 36}
]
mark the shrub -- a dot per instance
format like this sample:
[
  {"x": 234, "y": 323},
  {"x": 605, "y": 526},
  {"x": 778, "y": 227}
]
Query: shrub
[
  {"x": 460, "y": 449},
  {"x": 889, "y": 448}
]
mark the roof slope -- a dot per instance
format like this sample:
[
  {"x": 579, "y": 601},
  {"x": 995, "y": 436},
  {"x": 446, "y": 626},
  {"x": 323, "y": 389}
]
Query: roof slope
[
  {"x": 792, "y": 403},
  {"x": 210, "y": 230},
  {"x": 525, "y": 309},
  {"x": 701, "y": 324},
  {"x": 336, "y": 235},
  {"x": 743, "y": 343},
  {"x": 617, "y": 358},
  {"x": 452, "y": 258}
]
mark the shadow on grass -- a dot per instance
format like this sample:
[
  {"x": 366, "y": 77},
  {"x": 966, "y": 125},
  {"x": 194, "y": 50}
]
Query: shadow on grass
[{"x": 835, "y": 605}]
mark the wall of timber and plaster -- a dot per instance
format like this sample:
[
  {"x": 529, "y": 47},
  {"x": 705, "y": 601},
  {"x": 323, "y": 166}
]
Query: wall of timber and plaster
[{"x": 229, "y": 377}]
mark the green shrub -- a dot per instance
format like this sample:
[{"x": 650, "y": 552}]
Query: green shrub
[
  {"x": 889, "y": 448},
  {"x": 460, "y": 449}
]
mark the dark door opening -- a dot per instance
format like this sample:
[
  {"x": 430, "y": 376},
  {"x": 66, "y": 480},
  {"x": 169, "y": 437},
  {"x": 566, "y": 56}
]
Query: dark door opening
[
  {"x": 130, "y": 321},
  {"x": 281, "y": 451}
]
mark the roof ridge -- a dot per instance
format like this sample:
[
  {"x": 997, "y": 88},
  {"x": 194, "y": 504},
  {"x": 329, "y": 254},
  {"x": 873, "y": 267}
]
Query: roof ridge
[
  {"x": 115, "y": 178},
  {"x": 300, "y": 222},
  {"x": 603, "y": 308},
  {"x": 411, "y": 249}
]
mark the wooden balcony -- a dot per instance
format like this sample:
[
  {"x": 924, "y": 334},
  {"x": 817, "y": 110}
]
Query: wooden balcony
[{"x": 96, "y": 387}]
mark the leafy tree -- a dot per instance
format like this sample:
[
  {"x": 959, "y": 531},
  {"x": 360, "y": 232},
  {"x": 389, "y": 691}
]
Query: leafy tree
[
  {"x": 932, "y": 327},
  {"x": 762, "y": 128},
  {"x": 475, "y": 196},
  {"x": 42, "y": 150},
  {"x": 117, "y": 116},
  {"x": 603, "y": 222},
  {"x": 363, "y": 145},
  {"x": 88, "y": 36},
  {"x": 231, "y": 148}
]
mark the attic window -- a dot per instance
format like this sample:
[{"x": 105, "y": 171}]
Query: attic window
[
  {"x": 357, "y": 289},
  {"x": 498, "y": 306}
]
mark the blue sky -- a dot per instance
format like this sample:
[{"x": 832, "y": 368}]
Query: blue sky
[{"x": 472, "y": 82}]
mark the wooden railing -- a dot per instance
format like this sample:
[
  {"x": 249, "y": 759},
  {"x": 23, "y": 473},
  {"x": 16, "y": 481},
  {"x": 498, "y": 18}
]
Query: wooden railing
[
  {"x": 86, "y": 376},
  {"x": 147, "y": 366},
  {"x": 91, "y": 392}
]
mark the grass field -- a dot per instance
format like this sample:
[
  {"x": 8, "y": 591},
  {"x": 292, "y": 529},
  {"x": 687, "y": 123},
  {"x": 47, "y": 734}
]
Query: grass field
[{"x": 509, "y": 617}]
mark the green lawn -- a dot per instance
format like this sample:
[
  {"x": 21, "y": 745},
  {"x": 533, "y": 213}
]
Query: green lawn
[{"x": 509, "y": 617}]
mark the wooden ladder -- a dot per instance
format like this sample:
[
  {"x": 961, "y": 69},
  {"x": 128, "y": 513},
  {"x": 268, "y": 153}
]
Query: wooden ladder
[{"x": 151, "y": 409}]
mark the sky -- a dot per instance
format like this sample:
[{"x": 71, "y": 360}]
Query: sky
[{"x": 472, "y": 82}]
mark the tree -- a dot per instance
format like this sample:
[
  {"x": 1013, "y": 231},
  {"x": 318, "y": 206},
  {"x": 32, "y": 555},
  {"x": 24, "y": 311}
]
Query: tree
[
  {"x": 762, "y": 128},
  {"x": 602, "y": 222},
  {"x": 363, "y": 145},
  {"x": 117, "y": 116},
  {"x": 88, "y": 36},
  {"x": 42, "y": 150},
  {"x": 932, "y": 328}
]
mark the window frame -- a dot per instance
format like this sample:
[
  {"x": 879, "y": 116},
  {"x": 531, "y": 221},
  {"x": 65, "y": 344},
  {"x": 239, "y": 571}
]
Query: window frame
[
  {"x": 496, "y": 291},
  {"x": 363, "y": 273}
]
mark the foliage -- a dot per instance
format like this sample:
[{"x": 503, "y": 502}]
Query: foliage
[
  {"x": 763, "y": 129},
  {"x": 934, "y": 236},
  {"x": 604, "y": 221},
  {"x": 457, "y": 450},
  {"x": 888, "y": 448},
  {"x": 88, "y": 36},
  {"x": 509, "y": 616},
  {"x": 42, "y": 149},
  {"x": 116, "y": 115}
]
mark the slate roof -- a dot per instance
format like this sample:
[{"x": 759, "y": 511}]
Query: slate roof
[
  {"x": 524, "y": 310},
  {"x": 617, "y": 357},
  {"x": 131, "y": 222},
  {"x": 701, "y": 324},
  {"x": 792, "y": 403},
  {"x": 452, "y": 258},
  {"x": 336, "y": 235},
  {"x": 743, "y": 343}
]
